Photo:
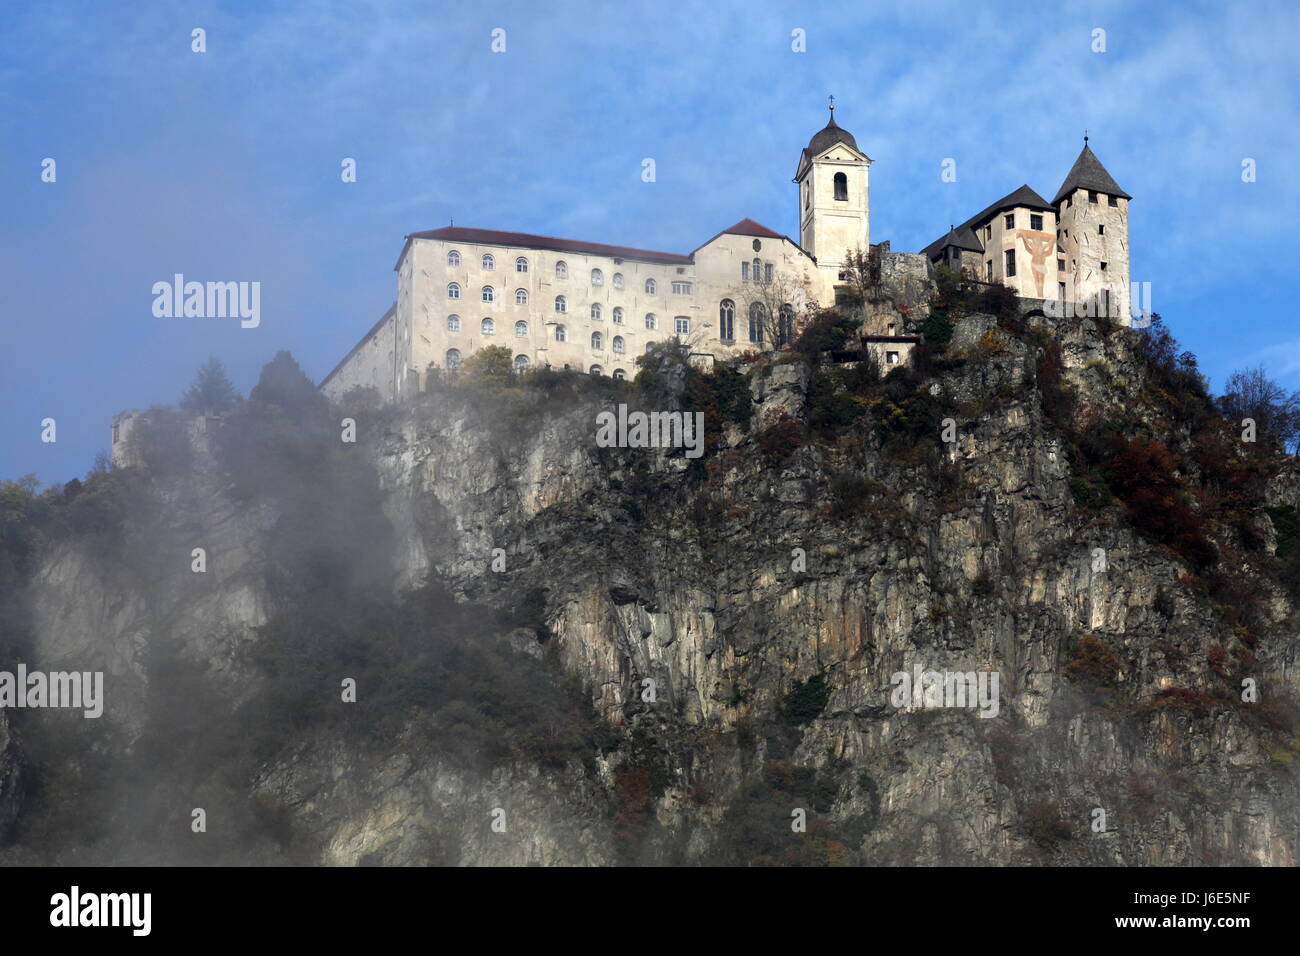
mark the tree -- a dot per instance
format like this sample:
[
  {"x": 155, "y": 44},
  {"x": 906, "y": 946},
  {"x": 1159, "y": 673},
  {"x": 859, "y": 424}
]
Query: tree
[
  {"x": 283, "y": 383},
  {"x": 211, "y": 393},
  {"x": 490, "y": 365},
  {"x": 779, "y": 307},
  {"x": 1250, "y": 393},
  {"x": 862, "y": 277}
]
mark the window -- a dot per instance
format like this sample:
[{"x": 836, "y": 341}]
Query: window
[
  {"x": 620, "y": 374},
  {"x": 757, "y": 245},
  {"x": 453, "y": 323},
  {"x": 988, "y": 232},
  {"x": 597, "y": 277},
  {"x": 488, "y": 327},
  {"x": 521, "y": 329},
  {"x": 597, "y": 370},
  {"x": 1105, "y": 302},
  {"x": 681, "y": 288},
  {"x": 756, "y": 315},
  {"x": 650, "y": 322},
  {"x": 1112, "y": 201},
  {"x": 489, "y": 263},
  {"x": 1069, "y": 201},
  {"x": 453, "y": 259},
  {"x": 726, "y": 320},
  {"x": 521, "y": 265},
  {"x": 1103, "y": 267},
  {"x": 988, "y": 270},
  {"x": 1009, "y": 220},
  {"x": 453, "y": 360},
  {"x": 561, "y": 270},
  {"x": 618, "y": 280},
  {"x": 618, "y": 316},
  {"x": 453, "y": 291},
  {"x": 806, "y": 193},
  {"x": 1092, "y": 196},
  {"x": 1101, "y": 229},
  {"x": 682, "y": 325},
  {"x": 744, "y": 271},
  {"x": 560, "y": 304},
  {"x": 618, "y": 345},
  {"x": 649, "y": 286},
  {"x": 1060, "y": 291},
  {"x": 521, "y": 296},
  {"x": 596, "y": 341},
  {"x": 891, "y": 358},
  {"x": 785, "y": 325},
  {"x": 560, "y": 335},
  {"x": 1011, "y": 262},
  {"x": 1060, "y": 265},
  {"x": 757, "y": 270},
  {"x": 681, "y": 271},
  {"x": 841, "y": 187},
  {"x": 1036, "y": 222},
  {"x": 487, "y": 293},
  {"x": 521, "y": 364},
  {"x": 767, "y": 272},
  {"x": 595, "y": 311}
]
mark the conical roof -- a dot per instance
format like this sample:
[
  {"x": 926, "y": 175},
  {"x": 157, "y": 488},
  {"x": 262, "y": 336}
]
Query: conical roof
[{"x": 1088, "y": 173}]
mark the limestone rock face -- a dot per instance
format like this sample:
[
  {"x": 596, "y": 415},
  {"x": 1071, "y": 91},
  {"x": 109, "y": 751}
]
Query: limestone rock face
[{"x": 849, "y": 564}]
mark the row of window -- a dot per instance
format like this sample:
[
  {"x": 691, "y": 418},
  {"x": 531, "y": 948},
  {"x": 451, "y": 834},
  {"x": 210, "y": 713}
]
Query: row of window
[
  {"x": 488, "y": 293},
  {"x": 758, "y": 270},
  {"x": 1011, "y": 265},
  {"x": 522, "y": 364},
  {"x": 489, "y": 263},
  {"x": 682, "y": 324}
]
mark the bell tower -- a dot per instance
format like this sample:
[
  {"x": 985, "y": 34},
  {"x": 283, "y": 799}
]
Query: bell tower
[{"x": 834, "y": 213}]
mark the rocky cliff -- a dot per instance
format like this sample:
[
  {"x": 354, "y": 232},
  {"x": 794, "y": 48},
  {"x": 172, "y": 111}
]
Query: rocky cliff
[{"x": 568, "y": 654}]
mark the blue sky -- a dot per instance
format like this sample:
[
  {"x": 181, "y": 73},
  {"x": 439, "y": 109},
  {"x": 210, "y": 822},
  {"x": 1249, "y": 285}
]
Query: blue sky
[{"x": 225, "y": 165}]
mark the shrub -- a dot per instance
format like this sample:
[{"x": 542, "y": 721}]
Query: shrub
[
  {"x": 779, "y": 440},
  {"x": 805, "y": 701}
]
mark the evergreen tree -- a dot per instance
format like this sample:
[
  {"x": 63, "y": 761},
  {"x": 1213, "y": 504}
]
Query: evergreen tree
[
  {"x": 211, "y": 393},
  {"x": 283, "y": 383}
]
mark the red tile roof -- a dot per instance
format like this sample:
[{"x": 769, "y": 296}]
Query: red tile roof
[
  {"x": 524, "y": 240},
  {"x": 747, "y": 227}
]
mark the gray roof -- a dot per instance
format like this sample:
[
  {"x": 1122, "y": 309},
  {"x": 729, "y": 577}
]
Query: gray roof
[
  {"x": 1088, "y": 173},
  {"x": 824, "y": 139},
  {"x": 964, "y": 235}
]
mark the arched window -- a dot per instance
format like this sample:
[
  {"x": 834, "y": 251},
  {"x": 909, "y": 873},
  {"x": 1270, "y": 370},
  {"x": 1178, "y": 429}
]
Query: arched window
[
  {"x": 596, "y": 341},
  {"x": 649, "y": 286},
  {"x": 756, "y": 268},
  {"x": 618, "y": 316},
  {"x": 487, "y": 293},
  {"x": 561, "y": 270},
  {"x": 682, "y": 325},
  {"x": 756, "y": 316},
  {"x": 488, "y": 327},
  {"x": 618, "y": 280},
  {"x": 453, "y": 323},
  {"x": 453, "y": 259},
  {"x": 489, "y": 263},
  {"x": 453, "y": 360},
  {"x": 521, "y": 265},
  {"x": 521, "y": 296},
  {"x": 841, "y": 187},
  {"x": 453, "y": 291},
  {"x": 618, "y": 345},
  {"x": 726, "y": 319},
  {"x": 650, "y": 321},
  {"x": 597, "y": 277},
  {"x": 560, "y": 335},
  {"x": 521, "y": 363},
  {"x": 597, "y": 370},
  {"x": 785, "y": 325},
  {"x": 620, "y": 374},
  {"x": 595, "y": 310},
  {"x": 521, "y": 329},
  {"x": 560, "y": 304}
]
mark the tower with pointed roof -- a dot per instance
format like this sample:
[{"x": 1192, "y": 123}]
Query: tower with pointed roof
[
  {"x": 1092, "y": 242},
  {"x": 834, "y": 212}
]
